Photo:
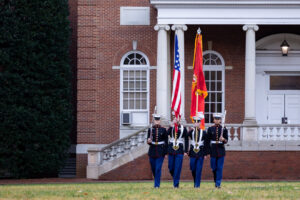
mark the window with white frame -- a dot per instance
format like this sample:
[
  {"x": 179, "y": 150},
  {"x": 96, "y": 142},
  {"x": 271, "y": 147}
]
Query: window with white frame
[
  {"x": 135, "y": 84},
  {"x": 214, "y": 72},
  {"x": 135, "y": 89}
]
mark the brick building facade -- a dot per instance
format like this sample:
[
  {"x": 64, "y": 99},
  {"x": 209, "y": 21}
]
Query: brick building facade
[{"x": 99, "y": 42}]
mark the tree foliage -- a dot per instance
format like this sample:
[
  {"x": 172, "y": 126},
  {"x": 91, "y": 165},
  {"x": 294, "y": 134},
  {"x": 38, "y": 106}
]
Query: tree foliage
[{"x": 35, "y": 86}]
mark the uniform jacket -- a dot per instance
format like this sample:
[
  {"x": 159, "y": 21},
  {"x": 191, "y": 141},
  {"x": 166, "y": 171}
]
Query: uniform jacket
[
  {"x": 182, "y": 148},
  {"x": 214, "y": 133},
  {"x": 157, "y": 134},
  {"x": 204, "y": 150}
]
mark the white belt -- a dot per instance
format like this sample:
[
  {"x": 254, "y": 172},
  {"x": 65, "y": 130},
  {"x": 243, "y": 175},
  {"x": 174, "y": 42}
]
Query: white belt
[
  {"x": 172, "y": 140},
  {"x": 199, "y": 143},
  {"x": 216, "y": 142},
  {"x": 157, "y": 143}
]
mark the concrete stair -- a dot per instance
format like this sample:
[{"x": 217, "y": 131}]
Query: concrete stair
[
  {"x": 116, "y": 154},
  {"x": 69, "y": 170}
]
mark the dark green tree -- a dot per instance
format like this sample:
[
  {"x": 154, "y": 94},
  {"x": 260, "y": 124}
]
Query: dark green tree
[{"x": 35, "y": 87}]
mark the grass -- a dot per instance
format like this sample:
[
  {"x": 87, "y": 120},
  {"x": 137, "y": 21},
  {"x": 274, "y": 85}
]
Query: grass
[{"x": 144, "y": 190}]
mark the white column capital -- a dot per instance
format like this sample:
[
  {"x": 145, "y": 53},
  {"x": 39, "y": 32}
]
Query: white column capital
[
  {"x": 179, "y": 27},
  {"x": 162, "y": 27},
  {"x": 247, "y": 27}
]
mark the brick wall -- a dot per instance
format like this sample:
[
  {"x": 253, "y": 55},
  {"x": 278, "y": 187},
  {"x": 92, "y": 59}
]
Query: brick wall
[
  {"x": 81, "y": 163},
  {"x": 238, "y": 165},
  {"x": 99, "y": 42},
  {"x": 229, "y": 41}
]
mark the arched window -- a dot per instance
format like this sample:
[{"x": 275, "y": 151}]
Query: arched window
[
  {"x": 134, "y": 69},
  {"x": 134, "y": 58},
  {"x": 214, "y": 72}
]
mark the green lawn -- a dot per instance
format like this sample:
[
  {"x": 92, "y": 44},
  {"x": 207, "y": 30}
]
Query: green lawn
[{"x": 144, "y": 190}]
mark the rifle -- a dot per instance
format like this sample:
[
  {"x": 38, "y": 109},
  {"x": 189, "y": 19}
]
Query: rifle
[
  {"x": 152, "y": 123},
  {"x": 223, "y": 124}
]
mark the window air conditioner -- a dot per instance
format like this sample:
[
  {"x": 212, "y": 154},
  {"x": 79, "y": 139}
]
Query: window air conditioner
[{"x": 126, "y": 118}]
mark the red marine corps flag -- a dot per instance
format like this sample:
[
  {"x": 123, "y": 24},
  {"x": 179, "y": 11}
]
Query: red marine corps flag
[{"x": 199, "y": 91}]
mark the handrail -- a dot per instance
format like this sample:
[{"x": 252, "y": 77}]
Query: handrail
[
  {"x": 208, "y": 125},
  {"x": 278, "y": 125},
  {"x": 191, "y": 125},
  {"x": 142, "y": 130},
  {"x": 123, "y": 139}
]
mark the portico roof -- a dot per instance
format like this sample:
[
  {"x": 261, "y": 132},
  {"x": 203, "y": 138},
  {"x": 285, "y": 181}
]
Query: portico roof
[{"x": 227, "y": 12}]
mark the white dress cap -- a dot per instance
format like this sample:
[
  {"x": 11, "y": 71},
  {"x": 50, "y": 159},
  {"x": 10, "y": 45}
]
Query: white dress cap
[{"x": 217, "y": 115}]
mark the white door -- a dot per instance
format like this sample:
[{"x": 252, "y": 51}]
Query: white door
[
  {"x": 283, "y": 105},
  {"x": 292, "y": 108},
  {"x": 275, "y": 108}
]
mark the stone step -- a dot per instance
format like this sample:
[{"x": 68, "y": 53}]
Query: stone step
[{"x": 69, "y": 170}]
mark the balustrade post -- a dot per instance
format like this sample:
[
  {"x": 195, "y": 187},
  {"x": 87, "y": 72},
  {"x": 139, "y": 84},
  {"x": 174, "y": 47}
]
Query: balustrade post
[
  {"x": 235, "y": 135},
  {"x": 94, "y": 160}
]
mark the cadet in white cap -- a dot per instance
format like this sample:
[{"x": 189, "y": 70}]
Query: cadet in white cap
[
  {"x": 218, "y": 136},
  {"x": 199, "y": 148},
  {"x": 157, "y": 138}
]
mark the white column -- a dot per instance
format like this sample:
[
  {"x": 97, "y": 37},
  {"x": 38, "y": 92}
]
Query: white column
[
  {"x": 169, "y": 77},
  {"x": 179, "y": 29},
  {"x": 162, "y": 71},
  {"x": 250, "y": 66}
]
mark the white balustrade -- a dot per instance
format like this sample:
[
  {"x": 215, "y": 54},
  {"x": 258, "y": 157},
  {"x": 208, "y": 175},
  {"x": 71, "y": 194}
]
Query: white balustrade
[
  {"x": 229, "y": 133},
  {"x": 233, "y": 130},
  {"x": 119, "y": 147},
  {"x": 265, "y": 133},
  {"x": 279, "y": 132},
  {"x": 106, "y": 155}
]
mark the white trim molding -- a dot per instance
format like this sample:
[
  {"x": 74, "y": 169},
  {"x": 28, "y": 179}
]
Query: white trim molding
[
  {"x": 129, "y": 67},
  {"x": 83, "y": 148},
  {"x": 227, "y": 11}
]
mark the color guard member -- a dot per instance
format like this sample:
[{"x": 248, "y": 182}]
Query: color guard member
[
  {"x": 157, "y": 138},
  {"x": 177, "y": 147},
  {"x": 199, "y": 148},
  {"x": 218, "y": 136}
]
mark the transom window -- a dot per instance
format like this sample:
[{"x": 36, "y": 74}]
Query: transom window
[
  {"x": 284, "y": 82},
  {"x": 135, "y": 84},
  {"x": 211, "y": 58},
  {"x": 135, "y": 59},
  {"x": 214, "y": 72}
]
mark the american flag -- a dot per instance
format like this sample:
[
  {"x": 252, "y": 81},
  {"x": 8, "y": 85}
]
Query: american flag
[{"x": 176, "y": 95}]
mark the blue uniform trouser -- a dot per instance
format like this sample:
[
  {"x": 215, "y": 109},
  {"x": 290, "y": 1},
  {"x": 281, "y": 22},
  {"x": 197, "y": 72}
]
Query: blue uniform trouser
[
  {"x": 156, "y": 164},
  {"x": 216, "y": 165},
  {"x": 175, "y": 165},
  {"x": 196, "y": 165}
]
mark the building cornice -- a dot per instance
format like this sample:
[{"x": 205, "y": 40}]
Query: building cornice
[
  {"x": 227, "y": 12},
  {"x": 225, "y": 2}
]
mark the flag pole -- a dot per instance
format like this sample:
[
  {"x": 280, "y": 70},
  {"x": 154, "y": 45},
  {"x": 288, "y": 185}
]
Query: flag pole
[
  {"x": 196, "y": 103},
  {"x": 198, "y": 33}
]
